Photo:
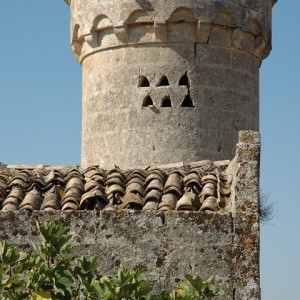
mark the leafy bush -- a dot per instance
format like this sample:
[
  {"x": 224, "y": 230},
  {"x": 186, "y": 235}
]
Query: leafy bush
[{"x": 52, "y": 272}]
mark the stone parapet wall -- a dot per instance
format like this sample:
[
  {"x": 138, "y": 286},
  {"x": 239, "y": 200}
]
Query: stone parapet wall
[{"x": 168, "y": 244}]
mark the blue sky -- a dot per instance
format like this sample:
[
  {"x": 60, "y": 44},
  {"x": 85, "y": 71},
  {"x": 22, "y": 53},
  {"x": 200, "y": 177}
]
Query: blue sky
[{"x": 40, "y": 96}]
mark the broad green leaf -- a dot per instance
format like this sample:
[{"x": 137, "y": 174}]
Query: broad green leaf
[
  {"x": 3, "y": 248},
  {"x": 211, "y": 279},
  {"x": 65, "y": 281}
]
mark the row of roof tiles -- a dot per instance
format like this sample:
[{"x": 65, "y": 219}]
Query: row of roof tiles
[{"x": 202, "y": 186}]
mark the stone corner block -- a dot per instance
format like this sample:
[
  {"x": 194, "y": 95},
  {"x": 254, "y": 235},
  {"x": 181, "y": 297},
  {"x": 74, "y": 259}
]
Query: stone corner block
[{"x": 249, "y": 137}]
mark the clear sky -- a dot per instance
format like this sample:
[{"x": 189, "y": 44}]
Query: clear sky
[{"x": 40, "y": 113}]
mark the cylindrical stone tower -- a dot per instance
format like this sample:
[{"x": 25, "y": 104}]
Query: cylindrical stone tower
[{"x": 168, "y": 80}]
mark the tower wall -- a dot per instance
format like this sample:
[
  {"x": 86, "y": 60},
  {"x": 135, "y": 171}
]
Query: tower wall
[{"x": 168, "y": 81}]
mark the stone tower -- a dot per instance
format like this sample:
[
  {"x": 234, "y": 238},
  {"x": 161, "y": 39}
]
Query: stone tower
[{"x": 168, "y": 81}]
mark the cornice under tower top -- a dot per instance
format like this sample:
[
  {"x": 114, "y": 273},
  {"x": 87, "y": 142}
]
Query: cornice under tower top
[{"x": 69, "y": 2}]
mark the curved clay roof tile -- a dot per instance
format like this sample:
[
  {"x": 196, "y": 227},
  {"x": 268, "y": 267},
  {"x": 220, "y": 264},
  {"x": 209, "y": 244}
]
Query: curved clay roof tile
[
  {"x": 11, "y": 200},
  {"x": 155, "y": 184},
  {"x": 135, "y": 188},
  {"x": 168, "y": 201},
  {"x": 22, "y": 178},
  {"x": 10, "y": 207},
  {"x": 137, "y": 180},
  {"x": 115, "y": 188},
  {"x": 73, "y": 173},
  {"x": 17, "y": 193},
  {"x": 115, "y": 180},
  {"x": 73, "y": 193},
  {"x": 135, "y": 172},
  {"x": 193, "y": 183},
  {"x": 192, "y": 175},
  {"x": 114, "y": 172},
  {"x": 5, "y": 177},
  {"x": 209, "y": 178},
  {"x": 18, "y": 182},
  {"x": 158, "y": 174},
  {"x": 210, "y": 203},
  {"x": 32, "y": 200},
  {"x": 75, "y": 182},
  {"x": 187, "y": 202},
  {"x": 131, "y": 200},
  {"x": 193, "y": 178},
  {"x": 69, "y": 206},
  {"x": 3, "y": 185},
  {"x": 92, "y": 196},
  {"x": 225, "y": 190},
  {"x": 209, "y": 189},
  {"x": 174, "y": 183},
  {"x": 93, "y": 167},
  {"x": 91, "y": 184},
  {"x": 15, "y": 197},
  {"x": 173, "y": 189},
  {"x": 52, "y": 200},
  {"x": 99, "y": 178},
  {"x": 94, "y": 171},
  {"x": 151, "y": 205},
  {"x": 153, "y": 195},
  {"x": 223, "y": 176},
  {"x": 54, "y": 176}
]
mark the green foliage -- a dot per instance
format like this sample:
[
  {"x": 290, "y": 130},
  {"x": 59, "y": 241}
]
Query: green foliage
[
  {"x": 52, "y": 272},
  {"x": 125, "y": 285},
  {"x": 199, "y": 290}
]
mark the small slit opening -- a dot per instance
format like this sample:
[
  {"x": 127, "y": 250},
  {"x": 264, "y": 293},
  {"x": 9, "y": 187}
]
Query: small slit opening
[
  {"x": 147, "y": 101},
  {"x": 144, "y": 82},
  {"x": 187, "y": 102},
  {"x": 184, "y": 80},
  {"x": 166, "y": 102},
  {"x": 163, "y": 81}
]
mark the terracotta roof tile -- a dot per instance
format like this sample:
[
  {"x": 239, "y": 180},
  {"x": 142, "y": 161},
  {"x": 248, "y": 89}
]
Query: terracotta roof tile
[
  {"x": 203, "y": 185},
  {"x": 14, "y": 198},
  {"x": 52, "y": 200},
  {"x": 32, "y": 201}
]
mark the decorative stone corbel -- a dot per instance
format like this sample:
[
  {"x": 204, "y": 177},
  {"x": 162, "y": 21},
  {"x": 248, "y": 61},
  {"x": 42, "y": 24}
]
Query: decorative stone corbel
[
  {"x": 77, "y": 47},
  {"x": 121, "y": 32},
  {"x": 203, "y": 30},
  {"x": 259, "y": 45},
  {"x": 92, "y": 38},
  {"x": 161, "y": 32},
  {"x": 237, "y": 38}
]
